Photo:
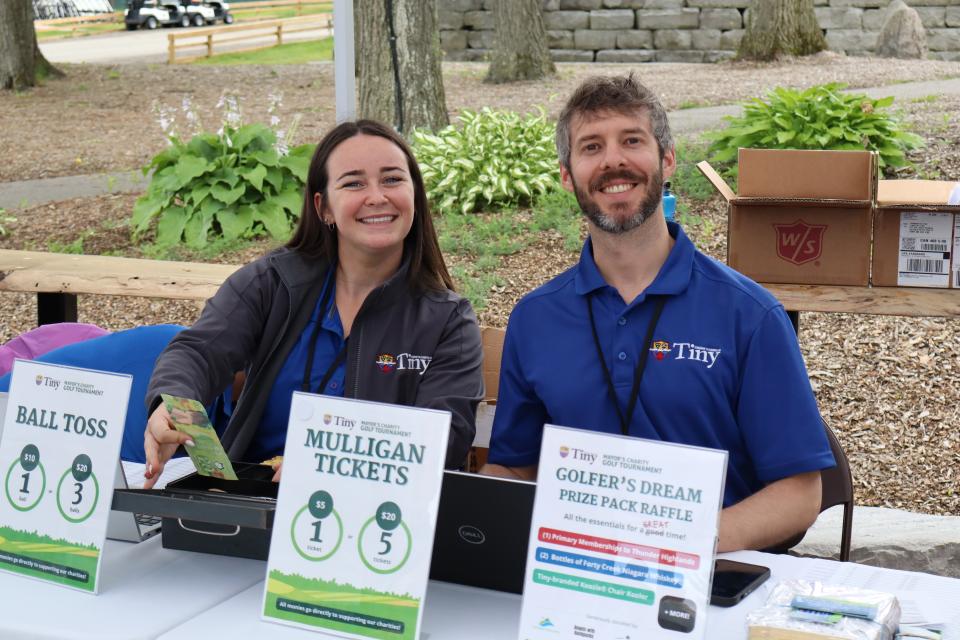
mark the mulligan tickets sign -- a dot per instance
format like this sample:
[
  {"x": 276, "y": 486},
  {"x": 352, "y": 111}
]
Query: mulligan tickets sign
[
  {"x": 622, "y": 539},
  {"x": 356, "y": 511},
  {"x": 59, "y": 453}
]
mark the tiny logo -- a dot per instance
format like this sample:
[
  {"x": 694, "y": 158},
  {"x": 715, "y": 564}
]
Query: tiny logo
[
  {"x": 546, "y": 623},
  {"x": 471, "y": 534},
  {"x": 660, "y": 348},
  {"x": 564, "y": 452},
  {"x": 799, "y": 242},
  {"x": 386, "y": 362},
  {"x": 39, "y": 379},
  {"x": 327, "y": 418}
]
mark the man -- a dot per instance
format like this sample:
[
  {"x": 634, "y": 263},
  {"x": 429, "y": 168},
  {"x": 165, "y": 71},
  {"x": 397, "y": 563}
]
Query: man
[{"x": 647, "y": 336}]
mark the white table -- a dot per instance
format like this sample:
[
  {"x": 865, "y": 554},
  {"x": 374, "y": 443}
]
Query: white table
[
  {"x": 464, "y": 613},
  {"x": 145, "y": 591}
]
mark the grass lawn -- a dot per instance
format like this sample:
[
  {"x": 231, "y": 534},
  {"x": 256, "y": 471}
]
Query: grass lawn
[{"x": 293, "y": 53}]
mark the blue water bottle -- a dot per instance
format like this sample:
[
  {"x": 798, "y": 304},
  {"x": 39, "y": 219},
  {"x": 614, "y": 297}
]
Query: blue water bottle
[{"x": 669, "y": 202}]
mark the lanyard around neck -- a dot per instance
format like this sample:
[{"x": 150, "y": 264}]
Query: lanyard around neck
[
  {"x": 325, "y": 305},
  {"x": 641, "y": 365}
]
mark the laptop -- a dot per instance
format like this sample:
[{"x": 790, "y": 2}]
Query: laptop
[
  {"x": 136, "y": 527},
  {"x": 483, "y": 527}
]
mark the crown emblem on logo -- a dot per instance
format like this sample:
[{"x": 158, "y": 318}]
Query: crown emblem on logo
[
  {"x": 386, "y": 362},
  {"x": 659, "y": 348}
]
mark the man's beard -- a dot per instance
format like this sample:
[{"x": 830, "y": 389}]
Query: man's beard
[{"x": 648, "y": 206}]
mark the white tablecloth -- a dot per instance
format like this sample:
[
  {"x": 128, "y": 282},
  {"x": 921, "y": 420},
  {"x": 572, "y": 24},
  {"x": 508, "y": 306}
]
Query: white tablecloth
[{"x": 145, "y": 591}]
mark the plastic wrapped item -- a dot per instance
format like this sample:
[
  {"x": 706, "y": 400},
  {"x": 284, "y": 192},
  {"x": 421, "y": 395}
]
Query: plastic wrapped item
[{"x": 805, "y": 610}]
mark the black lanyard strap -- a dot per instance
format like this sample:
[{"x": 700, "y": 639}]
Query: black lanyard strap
[
  {"x": 638, "y": 374},
  {"x": 341, "y": 356}
]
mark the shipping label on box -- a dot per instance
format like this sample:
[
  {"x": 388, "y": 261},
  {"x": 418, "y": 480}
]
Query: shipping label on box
[
  {"x": 924, "y": 249},
  {"x": 956, "y": 251}
]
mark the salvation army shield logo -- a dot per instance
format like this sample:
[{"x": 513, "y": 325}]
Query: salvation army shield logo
[{"x": 799, "y": 242}]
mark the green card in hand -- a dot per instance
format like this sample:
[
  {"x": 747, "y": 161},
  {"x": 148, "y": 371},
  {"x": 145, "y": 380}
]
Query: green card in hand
[{"x": 189, "y": 417}]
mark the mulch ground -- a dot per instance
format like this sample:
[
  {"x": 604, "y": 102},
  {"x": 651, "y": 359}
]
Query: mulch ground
[{"x": 889, "y": 386}]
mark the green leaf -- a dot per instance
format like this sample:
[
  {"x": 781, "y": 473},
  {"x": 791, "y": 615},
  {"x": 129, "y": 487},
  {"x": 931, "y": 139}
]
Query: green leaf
[
  {"x": 235, "y": 222},
  {"x": 298, "y": 165},
  {"x": 275, "y": 178},
  {"x": 254, "y": 135},
  {"x": 290, "y": 200},
  {"x": 255, "y": 176},
  {"x": 196, "y": 230},
  {"x": 170, "y": 226},
  {"x": 144, "y": 210},
  {"x": 273, "y": 218},
  {"x": 227, "y": 195},
  {"x": 268, "y": 157},
  {"x": 189, "y": 167}
]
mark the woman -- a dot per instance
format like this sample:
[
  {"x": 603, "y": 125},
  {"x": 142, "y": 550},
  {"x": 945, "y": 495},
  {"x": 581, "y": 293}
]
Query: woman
[{"x": 358, "y": 304}]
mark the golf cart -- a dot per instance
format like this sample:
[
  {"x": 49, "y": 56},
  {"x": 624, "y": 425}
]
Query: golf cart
[
  {"x": 198, "y": 14},
  {"x": 221, "y": 11},
  {"x": 151, "y": 14}
]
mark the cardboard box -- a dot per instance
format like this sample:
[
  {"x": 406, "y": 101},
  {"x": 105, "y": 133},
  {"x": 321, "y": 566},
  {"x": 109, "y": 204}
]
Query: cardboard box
[
  {"x": 915, "y": 233},
  {"x": 801, "y": 217}
]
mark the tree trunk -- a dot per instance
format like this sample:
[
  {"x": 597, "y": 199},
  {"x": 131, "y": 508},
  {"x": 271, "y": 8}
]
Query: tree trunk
[
  {"x": 776, "y": 27},
  {"x": 408, "y": 69},
  {"x": 520, "y": 51},
  {"x": 21, "y": 62}
]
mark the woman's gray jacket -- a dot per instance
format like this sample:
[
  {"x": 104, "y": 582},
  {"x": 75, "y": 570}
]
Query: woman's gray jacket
[{"x": 406, "y": 347}]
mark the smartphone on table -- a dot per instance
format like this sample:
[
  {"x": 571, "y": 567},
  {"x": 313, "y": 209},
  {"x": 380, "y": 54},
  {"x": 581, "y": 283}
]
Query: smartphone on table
[{"x": 733, "y": 581}]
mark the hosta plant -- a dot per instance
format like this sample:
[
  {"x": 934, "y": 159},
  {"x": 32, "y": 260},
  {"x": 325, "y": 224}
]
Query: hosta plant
[
  {"x": 492, "y": 160},
  {"x": 821, "y": 117},
  {"x": 240, "y": 182}
]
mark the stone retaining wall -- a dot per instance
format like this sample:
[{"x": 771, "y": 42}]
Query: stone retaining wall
[{"x": 680, "y": 30}]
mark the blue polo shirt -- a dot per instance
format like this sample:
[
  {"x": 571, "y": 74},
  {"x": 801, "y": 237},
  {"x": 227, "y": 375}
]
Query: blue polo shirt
[
  {"x": 272, "y": 434},
  {"x": 724, "y": 369}
]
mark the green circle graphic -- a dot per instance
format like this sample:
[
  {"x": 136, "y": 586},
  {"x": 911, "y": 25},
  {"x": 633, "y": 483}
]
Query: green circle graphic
[
  {"x": 363, "y": 558},
  {"x": 304, "y": 554},
  {"x": 96, "y": 497},
  {"x": 43, "y": 486}
]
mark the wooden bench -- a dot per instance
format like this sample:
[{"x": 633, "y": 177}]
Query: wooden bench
[{"x": 57, "y": 279}]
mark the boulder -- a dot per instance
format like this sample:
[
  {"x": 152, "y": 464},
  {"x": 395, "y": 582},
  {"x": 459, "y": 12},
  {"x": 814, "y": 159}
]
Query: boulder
[
  {"x": 889, "y": 538},
  {"x": 902, "y": 35}
]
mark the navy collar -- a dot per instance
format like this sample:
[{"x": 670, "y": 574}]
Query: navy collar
[{"x": 672, "y": 279}]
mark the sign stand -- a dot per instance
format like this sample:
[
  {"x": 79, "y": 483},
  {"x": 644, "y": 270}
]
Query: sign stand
[
  {"x": 59, "y": 454},
  {"x": 353, "y": 533},
  {"x": 623, "y": 537}
]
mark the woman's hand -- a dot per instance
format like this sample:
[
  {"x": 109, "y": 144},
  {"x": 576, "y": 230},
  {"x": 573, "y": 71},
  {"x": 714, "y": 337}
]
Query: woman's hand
[
  {"x": 278, "y": 469},
  {"x": 160, "y": 442}
]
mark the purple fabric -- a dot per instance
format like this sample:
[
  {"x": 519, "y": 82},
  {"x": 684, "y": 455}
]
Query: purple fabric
[{"x": 36, "y": 342}]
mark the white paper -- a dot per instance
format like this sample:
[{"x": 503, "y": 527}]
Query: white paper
[
  {"x": 61, "y": 442},
  {"x": 353, "y": 533},
  {"x": 924, "y": 250},
  {"x": 622, "y": 539}
]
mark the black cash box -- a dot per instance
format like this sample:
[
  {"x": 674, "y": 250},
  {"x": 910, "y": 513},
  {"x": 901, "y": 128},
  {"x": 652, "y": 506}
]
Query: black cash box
[{"x": 212, "y": 515}]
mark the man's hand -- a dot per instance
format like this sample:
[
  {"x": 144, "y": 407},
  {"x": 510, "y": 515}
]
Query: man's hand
[
  {"x": 514, "y": 473},
  {"x": 160, "y": 442},
  {"x": 776, "y": 513}
]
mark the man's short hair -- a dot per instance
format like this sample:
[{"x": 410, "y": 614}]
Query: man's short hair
[{"x": 620, "y": 94}]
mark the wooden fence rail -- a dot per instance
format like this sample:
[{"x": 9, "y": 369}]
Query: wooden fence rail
[{"x": 207, "y": 38}]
